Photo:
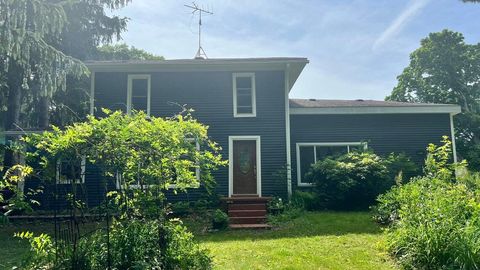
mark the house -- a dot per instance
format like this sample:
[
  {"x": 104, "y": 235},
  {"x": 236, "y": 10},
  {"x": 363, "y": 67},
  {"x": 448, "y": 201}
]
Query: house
[{"x": 245, "y": 102}]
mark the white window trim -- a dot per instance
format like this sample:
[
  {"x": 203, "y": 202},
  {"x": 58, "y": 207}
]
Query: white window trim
[
  {"x": 171, "y": 186},
  {"x": 231, "y": 139},
  {"x": 132, "y": 77},
  {"x": 298, "y": 145},
  {"x": 83, "y": 164},
  {"x": 250, "y": 75}
]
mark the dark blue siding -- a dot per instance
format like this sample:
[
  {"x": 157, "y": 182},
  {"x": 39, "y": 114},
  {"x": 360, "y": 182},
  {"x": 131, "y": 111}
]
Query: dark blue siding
[
  {"x": 384, "y": 133},
  {"x": 210, "y": 94}
]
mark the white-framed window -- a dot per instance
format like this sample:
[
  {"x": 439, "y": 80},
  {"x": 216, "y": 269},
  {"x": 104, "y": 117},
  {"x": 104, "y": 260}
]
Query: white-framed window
[
  {"x": 68, "y": 172},
  {"x": 138, "y": 93},
  {"x": 244, "y": 100},
  {"x": 310, "y": 153},
  {"x": 195, "y": 170}
]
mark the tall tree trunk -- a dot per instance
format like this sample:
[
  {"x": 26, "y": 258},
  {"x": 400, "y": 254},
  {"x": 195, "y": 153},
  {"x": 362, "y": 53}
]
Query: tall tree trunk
[
  {"x": 43, "y": 113},
  {"x": 12, "y": 121}
]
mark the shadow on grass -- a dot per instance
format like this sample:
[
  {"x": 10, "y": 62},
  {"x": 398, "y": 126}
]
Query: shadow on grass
[{"x": 309, "y": 224}]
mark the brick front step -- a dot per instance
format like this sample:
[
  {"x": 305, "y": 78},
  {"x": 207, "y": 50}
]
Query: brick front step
[
  {"x": 250, "y": 226},
  {"x": 247, "y": 207},
  {"x": 247, "y": 213},
  {"x": 247, "y": 220},
  {"x": 247, "y": 200}
]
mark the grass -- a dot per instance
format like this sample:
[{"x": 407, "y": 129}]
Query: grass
[
  {"x": 324, "y": 240},
  {"x": 313, "y": 241}
]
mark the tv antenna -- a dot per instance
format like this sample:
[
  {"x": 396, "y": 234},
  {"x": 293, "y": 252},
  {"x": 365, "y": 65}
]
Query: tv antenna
[{"x": 200, "y": 52}]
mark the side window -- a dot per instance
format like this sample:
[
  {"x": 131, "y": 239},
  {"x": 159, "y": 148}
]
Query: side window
[
  {"x": 138, "y": 93},
  {"x": 310, "y": 153},
  {"x": 71, "y": 171},
  {"x": 244, "y": 100}
]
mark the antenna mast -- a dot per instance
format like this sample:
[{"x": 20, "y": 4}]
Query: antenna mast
[{"x": 200, "y": 52}]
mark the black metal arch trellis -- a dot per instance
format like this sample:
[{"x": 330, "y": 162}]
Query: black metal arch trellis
[{"x": 72, "y": 223}]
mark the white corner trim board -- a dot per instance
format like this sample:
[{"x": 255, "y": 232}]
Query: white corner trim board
[
  {"x": 231, "y": 139},
  {"x": 92, "y": 93},
  {"x": 452, "y": 137},
  {"x": 287, "y": 131}
]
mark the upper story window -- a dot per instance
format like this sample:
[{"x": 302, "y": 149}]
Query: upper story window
[
  {"x": 310, "y": 153},
  {"x": 244, "y": 103},
  {"x": 138, "y": 93}
]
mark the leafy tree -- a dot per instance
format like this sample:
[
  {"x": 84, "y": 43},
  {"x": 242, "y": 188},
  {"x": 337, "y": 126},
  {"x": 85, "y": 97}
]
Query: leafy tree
[
  {"x": 150, "y": 152},
  {"x": 447, "y": 70},
  {"x": 41, "y": 42},
  {"x": 124, "y": 52},
  {"x": 144, "y": 156}
]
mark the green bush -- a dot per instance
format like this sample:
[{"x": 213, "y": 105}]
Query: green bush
[
  {"x": 290, "y": 211},
  {"x": 219, "y": 220},
  {"x": 436, "y": 225},
  {"x": 276, "y": 205},
  {"x": 351, "y": 181},
  {"x": 434, "y": 220},
  {"x": 306, "y": 200},
  {"x": 401, "y": 168},
  {"x": 134, "y": 244},
  {"x": 181, "y": 208}
]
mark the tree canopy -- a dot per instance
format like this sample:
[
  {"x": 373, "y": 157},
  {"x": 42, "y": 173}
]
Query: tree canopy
[
  {"x": 142, "y": 155},
  {"x": 42, "y": 43},
  {"x": 445, "y": 69},
  {"x": 124, "y": 52}
]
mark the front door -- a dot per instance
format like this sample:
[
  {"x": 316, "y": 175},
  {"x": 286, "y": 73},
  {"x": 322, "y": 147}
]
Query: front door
[{"x": 245, "y": 167}]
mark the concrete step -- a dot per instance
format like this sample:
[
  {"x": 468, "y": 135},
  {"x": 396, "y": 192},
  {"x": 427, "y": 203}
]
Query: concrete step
[
  {"x": 247, "y": 213},
  {"x": 247, "y": 220}
]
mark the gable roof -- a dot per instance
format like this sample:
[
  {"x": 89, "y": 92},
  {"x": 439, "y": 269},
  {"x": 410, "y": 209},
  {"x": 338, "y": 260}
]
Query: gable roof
[
  {"x": 292, "y": 65},
  {"x": 360, "y": 106}
]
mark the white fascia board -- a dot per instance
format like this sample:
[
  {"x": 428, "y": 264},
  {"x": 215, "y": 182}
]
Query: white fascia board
[
  {"x": 451, "y": 109},
  {"x": 189, "y": 65}
]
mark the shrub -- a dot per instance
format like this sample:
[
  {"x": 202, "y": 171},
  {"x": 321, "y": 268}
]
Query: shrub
[
  {"x": 400, "y": 167},
  {"x": 306, "y": 200},
  {"x": 276, "y": 205},
  {"x": 181, "y": 208},
  {"x": 351, "y": 181},
  {"x": 290, "y": 211},
  {"x": 219, "y": 220},
  {"x": 134, "y": 244},
  {"x": 436, "y": 225},
  {"x": 434, "y": 220}
]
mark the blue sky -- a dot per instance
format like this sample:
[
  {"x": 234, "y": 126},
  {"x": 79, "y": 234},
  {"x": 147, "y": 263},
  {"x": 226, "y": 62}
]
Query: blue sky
[{"x": 356, "y": 48}]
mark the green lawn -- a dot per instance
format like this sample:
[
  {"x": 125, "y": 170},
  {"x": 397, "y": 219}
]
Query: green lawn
[{"x": 313, "y": 241}]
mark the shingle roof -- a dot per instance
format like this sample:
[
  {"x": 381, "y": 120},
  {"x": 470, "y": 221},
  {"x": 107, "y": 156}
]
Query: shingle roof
[{"x": 335, "y": 103}]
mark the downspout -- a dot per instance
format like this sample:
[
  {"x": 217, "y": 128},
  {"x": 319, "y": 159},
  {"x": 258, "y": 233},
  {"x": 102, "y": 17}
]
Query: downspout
[{"x": 287, "y": 131}]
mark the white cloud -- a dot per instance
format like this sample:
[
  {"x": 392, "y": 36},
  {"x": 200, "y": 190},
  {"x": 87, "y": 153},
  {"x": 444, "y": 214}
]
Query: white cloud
[{"x": 413, "y": 8}]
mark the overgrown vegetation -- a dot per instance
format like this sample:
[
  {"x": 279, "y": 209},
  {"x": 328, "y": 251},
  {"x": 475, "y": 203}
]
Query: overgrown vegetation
[
  {"x": 434, "y": 220},
  {"x": 219, "y": 220},
  {"x": 352, "y": 181},
  {"x": 143, "y": 156}
]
